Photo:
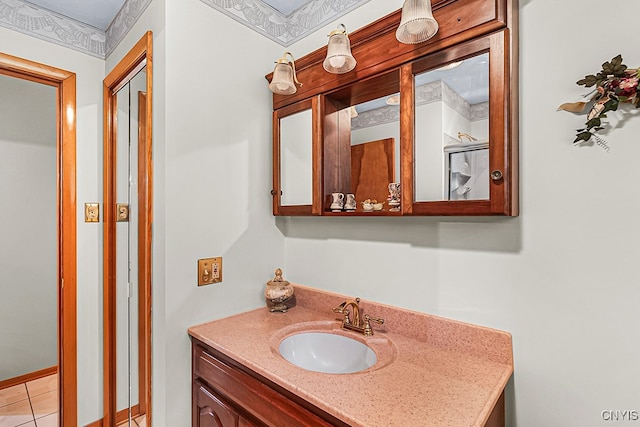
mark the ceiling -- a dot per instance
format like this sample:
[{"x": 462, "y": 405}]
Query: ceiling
[{"x": 97, "y": 13}]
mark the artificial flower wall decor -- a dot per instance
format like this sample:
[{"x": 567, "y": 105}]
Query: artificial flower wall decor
[{"x": 614, "y": 84}]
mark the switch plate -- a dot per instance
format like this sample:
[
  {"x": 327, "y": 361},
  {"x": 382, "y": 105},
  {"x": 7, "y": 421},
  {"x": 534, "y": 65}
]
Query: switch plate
[
  {"x": 92, "y": 212},
  {"x": 209, "y": 271}
]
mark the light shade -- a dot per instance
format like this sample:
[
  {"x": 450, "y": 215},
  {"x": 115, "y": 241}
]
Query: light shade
[
  {"x": 284, "y": 76},
  {"x": 417, "y": 23},
  {"x": 339, "y": 59}
]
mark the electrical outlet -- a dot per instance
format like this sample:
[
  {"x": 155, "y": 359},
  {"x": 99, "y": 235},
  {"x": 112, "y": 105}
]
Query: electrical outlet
[{"x": 209, "y": 271}]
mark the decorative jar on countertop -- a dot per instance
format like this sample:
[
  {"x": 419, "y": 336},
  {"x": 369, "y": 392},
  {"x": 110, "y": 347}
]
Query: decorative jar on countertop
[{"x": 279, "y": 294}]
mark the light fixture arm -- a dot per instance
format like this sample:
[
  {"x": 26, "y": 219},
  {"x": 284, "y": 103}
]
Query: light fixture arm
[
  {"x": 338, "y": 30},
  {"x": 284, "y": 60}
]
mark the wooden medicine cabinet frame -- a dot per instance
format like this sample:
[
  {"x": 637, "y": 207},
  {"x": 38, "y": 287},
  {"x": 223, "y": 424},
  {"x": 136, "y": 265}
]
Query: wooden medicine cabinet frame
[{"x": 467, "y": 28}]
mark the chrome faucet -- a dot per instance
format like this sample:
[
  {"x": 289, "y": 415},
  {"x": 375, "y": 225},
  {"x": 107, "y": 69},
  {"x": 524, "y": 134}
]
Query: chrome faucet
[{"x": 354, "y": 323}]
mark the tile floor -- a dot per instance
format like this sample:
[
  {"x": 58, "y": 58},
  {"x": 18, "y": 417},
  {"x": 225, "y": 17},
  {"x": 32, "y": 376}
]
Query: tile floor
[
  {"x": 141, "y": 421},
  {"x": 31, "y": 404},
  {"x": 35, "y": 404}
]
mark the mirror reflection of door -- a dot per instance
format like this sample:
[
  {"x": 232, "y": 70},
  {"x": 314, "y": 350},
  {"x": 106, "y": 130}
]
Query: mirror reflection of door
[
  {"x": 127, "y": 284},
  {"x": 28, "y": 252},
  {"x": 127, "y": 238}
]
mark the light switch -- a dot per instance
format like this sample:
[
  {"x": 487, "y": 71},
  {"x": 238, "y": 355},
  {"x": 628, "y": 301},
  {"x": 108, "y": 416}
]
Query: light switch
[
  {"x": 92, "y": 212},
  {"x": 209, "y": 271}
]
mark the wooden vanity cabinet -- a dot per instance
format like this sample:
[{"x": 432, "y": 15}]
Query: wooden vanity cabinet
[
  {"x": 227, "y": 394},
  {"x": 211, "y": 411}
]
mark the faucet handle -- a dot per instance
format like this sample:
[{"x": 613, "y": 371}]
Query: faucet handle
[
  {"x": 340, "y": 308},
  {"x": 368, "y": 331}
]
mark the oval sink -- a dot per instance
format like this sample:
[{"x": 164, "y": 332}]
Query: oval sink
[{"x": 328, "y": 353}]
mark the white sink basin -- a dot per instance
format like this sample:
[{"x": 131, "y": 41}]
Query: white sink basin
[{"x": 328, "y": 353}]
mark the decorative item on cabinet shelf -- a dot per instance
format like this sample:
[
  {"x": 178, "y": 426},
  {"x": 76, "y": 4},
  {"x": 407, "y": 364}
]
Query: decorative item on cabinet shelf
[
  {"x": 614, "y": 84},
  {"x": 284, "y": 76},
  {"x": 371, "y": 205},
  {"x": 279, "y": 294},
  {"x": 394, "y": 196},
  {"x": 337, "y": 202},
  {"x": 350, "y": 202}
]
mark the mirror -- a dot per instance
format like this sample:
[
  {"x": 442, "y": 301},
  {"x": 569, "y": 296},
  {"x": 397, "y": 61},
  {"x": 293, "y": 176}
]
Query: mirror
[
  {"x": 462, "y": 133},
  {"x": 375, "y": 148},
  {"x": 296, "y": 173},
  {"x": 127, "y": 238},
  {"x": 362, "y": 140},
  {"x": 296, "y": 159},
  {"x": 452, "y": 131},
  {"x": 129, "y": 123}
]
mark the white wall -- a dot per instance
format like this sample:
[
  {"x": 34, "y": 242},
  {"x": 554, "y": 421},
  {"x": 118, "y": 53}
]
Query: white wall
[
  {"x": 89, "y": 74},
  {"x": 212, "y": 178},
  {"x": 218, "y": 180},
  {"x": 562, "y": 277},
  {"x": 28, "y": 228}
]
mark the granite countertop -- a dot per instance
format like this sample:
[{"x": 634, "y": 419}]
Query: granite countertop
[{"x": 430, "y": 371}]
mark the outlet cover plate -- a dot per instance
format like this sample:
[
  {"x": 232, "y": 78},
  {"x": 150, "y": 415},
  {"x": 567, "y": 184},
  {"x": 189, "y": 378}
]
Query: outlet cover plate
[{"x": 209, "y": 271}]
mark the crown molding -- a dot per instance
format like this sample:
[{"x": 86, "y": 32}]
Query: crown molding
[
  {"x": 52, "y": 27},
  {"x": 284, "y": 30},
  {"x": 123, "y": 22}
]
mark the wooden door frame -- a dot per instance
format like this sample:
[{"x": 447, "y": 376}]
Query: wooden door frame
[
  {"x": 140, "y": 55},
  {"x": 65, "y": 84}
]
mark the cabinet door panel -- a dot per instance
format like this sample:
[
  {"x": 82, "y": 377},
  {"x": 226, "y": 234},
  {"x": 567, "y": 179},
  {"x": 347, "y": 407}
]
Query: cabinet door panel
[{"x": 212, "y": 412}]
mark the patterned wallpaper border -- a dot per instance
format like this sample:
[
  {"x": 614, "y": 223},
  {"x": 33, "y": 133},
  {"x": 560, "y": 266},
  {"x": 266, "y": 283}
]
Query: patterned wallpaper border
[
  {"x": 425, "y": 94},
  {"x": 50, "y": 26},
  {"x": 282, "y": 29}
]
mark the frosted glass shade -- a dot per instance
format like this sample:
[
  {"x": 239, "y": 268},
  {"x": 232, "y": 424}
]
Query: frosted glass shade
[
  {"x": 417, "y": 23},
  {"x": 339, "y": 59},
  {"x": 282, "y": 81}
]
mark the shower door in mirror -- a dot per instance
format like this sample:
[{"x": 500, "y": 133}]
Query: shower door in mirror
[{"x": 452, "y": 117}]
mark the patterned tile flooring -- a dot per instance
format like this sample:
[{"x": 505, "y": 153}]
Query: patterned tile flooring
[
  {"x": 35, "y": 404},
  {"x": 31, "y": 404}
]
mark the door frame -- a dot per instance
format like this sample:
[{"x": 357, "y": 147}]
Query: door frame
[
  {"x": 65, "y": 84},
  {"x": 138, "y": 57}
]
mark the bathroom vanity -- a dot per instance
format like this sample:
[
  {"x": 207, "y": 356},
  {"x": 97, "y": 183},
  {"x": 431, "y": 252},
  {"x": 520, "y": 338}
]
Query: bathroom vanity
[{"x": 428, "y": 370}]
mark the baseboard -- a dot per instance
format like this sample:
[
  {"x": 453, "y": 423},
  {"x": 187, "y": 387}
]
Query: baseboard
[
  {"x": 28, "y": 377},
  {"x": 121, "y": 417}
]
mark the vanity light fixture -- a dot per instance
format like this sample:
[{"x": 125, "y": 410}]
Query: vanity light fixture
[
  {"x": 284, "y": 76},
  {"x": 339, "y": 59},
  {"x": 417, "y": 23},
  {"x": 450, "y": 66},
  {"x": 393, "y": 100}
]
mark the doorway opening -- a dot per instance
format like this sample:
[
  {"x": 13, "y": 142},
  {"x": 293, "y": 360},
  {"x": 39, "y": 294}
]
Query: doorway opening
[{"x": 64, "y": 83}]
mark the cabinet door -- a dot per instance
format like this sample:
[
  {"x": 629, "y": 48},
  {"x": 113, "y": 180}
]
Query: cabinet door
[
  {"x": 213, "y": 412},
  {"x": 296, "y": 159}
]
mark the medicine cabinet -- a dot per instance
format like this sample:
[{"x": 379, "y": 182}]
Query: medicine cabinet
[{"x": 440, "y": 118}]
